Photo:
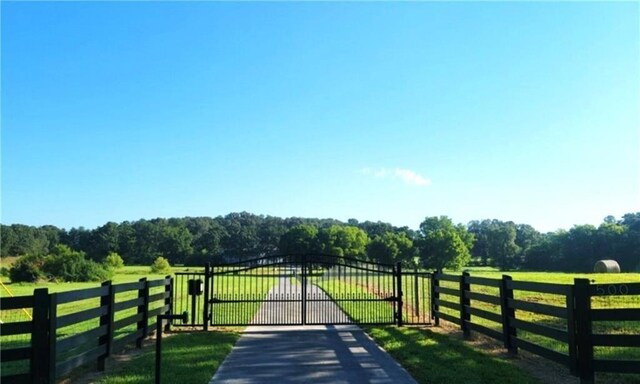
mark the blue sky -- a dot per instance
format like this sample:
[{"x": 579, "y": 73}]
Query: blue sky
[{"x": 118, "y": 111}]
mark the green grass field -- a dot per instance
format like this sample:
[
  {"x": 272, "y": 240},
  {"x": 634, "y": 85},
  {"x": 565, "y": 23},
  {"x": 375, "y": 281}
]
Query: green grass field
[
  {"x": 428, "y": 356},
  {"x": 16, "y": 341},
  {"x": 187, "y": 358},
  {"x": 602, "y": 302},
  {"x": 358, "y": 312},
  {"x": 436, "y": 358},
  {"x": 559, "y": 301},
  {"x": 413, "y": 348},
  {"x": 241, "y": 296},
  {"x": 556, "y": 277},
  {"x": 123, "y": 275},
  {"x": 126, "y": 274},
  {"x": 240, "y": 286}
]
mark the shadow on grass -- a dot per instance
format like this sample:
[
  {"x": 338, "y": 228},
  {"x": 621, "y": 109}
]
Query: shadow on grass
[
  {"x": 437, "y": 358},
  {"x": 186, "y": 358}
]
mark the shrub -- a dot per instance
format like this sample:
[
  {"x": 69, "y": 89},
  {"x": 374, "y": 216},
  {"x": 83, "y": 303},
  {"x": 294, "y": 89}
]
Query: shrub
[
  {"x": 113, "y": 260},
  {"x": 4, "y": 271},
  {"x": 70, "y": 265},
  {"x": 160, "y": 265},
  {"x": 27, "y": 269}
]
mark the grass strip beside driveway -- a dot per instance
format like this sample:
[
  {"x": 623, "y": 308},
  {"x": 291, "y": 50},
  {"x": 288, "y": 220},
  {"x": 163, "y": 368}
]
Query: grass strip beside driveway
[
  {"x": 436, "y": 358},
  {"x": 187, "y": 358}
]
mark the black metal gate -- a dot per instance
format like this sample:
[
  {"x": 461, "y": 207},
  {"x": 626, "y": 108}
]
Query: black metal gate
[{"x": 303, "y": 289}]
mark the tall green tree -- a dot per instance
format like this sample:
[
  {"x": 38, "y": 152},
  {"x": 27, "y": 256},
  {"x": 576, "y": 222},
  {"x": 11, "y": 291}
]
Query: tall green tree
[
  {"x": 207, "y": 236},
  {"x": 526, "y": 237},
  {"x": 270, "y": 230},
  {"x": 390, "y": 248},
  {"x": 547, "y": 253},
  {"x": 300, "y": 239},
  {"x": 579, "y": 249},
  {"x": 241, "y": 240},
  {"x": 502, "y": 245},
  {"x": 19, "y": 239},
  {"x": 631, "y": 242},
  {"x": 346, "y": 241},
  {"x": 175, "y": 243},
  {"x": 105, "y": 241},
  {"x": 480, "y": 249},
  {"x": 443, "y": 244}
]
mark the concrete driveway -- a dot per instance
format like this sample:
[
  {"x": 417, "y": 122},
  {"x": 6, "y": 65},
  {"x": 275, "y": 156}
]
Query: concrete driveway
[{"x": 308, "y": 354}]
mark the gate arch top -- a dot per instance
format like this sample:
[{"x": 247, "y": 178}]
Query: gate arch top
[{"x": 299, "y": 289}]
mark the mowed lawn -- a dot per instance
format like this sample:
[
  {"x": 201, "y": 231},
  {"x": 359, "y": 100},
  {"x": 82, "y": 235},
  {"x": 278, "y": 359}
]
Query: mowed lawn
[
  {"x": 122, "y": 275},
  {"x": 556, "y": 277},
  {"x": 194, "y": 354},
  {"x": 187, "y": 358},
  {"x": 394, "y": 335},
  {"x": 430, "y": 357}
]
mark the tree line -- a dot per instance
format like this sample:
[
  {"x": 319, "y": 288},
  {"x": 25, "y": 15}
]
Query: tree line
[{"x": 438, "y": 243}]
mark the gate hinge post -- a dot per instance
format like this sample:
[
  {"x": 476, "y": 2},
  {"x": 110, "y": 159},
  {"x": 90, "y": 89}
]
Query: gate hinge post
[{"x": 399, "y": 290}]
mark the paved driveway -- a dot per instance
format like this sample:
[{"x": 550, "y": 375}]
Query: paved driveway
[{"x": 308, "y": 354}]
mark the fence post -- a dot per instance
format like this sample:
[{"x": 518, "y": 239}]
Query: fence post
[
  {"x": 168, "y": 300},
  {"x": 205, "y": 304},
  {"x": 40, "y": 336},
  {"x": 508, "y": 331},
  {"x": 583, "y": 327},
  {"x": 465, "y": 317},
  {"x": 571, "y": 331},
  {"x": 399, "y": 313},
  {"x": 435, "y": 296},
  {"x": 143, "y": 309},
  {"x": 52, "y": 336},
  {"x": 416, "y": 294},
  {"x": 106, "y": 320}
]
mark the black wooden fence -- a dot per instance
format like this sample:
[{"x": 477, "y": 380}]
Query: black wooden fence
[
  {"x": 563, "y": 334},
  {"x": 54, "y": 342}
]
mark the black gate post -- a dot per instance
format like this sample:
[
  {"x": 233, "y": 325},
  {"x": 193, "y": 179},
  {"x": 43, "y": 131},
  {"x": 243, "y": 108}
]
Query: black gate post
[
  {"x": 304, "y": 289},
  {"x": 435, "y": 296},
  {"x": 416, "y": 295},
  {"x": 399, "y": 290},
  {"x": 205, "y": 304}
]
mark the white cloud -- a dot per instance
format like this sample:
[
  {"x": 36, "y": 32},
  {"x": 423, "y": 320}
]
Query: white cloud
[
  {"x": 410, "y": 177},
  {"x": 406, "y": 175}
]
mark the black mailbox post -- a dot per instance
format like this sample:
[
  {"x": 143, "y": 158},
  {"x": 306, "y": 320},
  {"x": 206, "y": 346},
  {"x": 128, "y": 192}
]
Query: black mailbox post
[
  {"x": 195, "y": 287},
  {"x": 184, "y": 317}
]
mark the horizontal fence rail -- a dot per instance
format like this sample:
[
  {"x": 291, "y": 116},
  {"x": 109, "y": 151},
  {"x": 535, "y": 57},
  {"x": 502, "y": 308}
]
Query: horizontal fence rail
[
  {"x": 70, "y": 329},
  {"x": 554, "y": 321}
]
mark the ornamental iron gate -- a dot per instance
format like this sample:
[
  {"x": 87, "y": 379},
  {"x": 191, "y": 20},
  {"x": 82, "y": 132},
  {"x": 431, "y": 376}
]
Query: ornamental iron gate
[{"x": 303, "y": 289}]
